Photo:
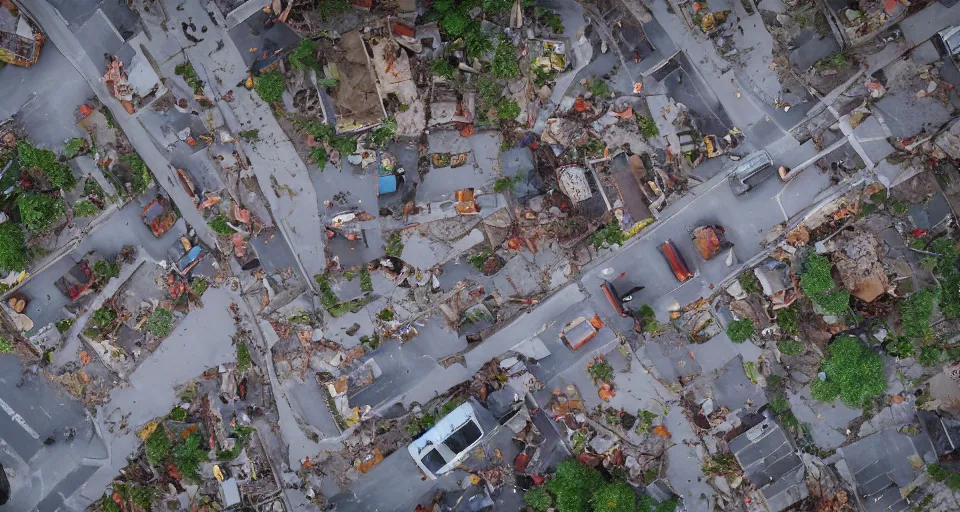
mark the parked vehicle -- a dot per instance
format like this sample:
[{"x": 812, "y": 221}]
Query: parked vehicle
[
  {"x": 443, "y": 447},
  {"x": 751, "y": 171},
  {"x": 581, "y": 330},
  {"x": 677, "y": 264},
  {"x": 710, "y": 241}
]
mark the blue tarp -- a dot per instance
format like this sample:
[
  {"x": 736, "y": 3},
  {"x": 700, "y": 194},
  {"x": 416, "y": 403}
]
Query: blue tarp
[{"x": 387, "y": 184}]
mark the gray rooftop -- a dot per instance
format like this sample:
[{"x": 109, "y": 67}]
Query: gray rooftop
[
  {"x": 883, "y": 463},
  {"x": 770, "y": 462}
]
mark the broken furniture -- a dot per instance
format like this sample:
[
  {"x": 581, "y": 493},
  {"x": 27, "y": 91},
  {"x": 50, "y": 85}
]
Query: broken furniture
[
  {"x": 159, "y": 216},
  {"x": 710, "y": 241}
]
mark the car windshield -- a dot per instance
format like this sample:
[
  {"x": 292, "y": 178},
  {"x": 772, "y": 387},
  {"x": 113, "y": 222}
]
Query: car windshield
[
  {"x": 463, "y": 437},
  {"x": 433, "y": 461}
]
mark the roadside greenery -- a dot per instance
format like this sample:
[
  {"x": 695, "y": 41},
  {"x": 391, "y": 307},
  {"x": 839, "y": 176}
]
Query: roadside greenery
[
  {"x": 854, "y": 373},
  {"x": 507, "y": 110},
  {"x": 105, "y": 270},
  {"x": 158, "y": 445},
  {"x": 574, "y": 485},
  {"x": 394, "y": 245},
  {"x": 506, "y": 183},
  {"x": 788, "y": 319},
  {"x": 538, "y": 499},
  {"x": 915, "y": 313},
  {"x": 740, "y": 330},
  {"x": 648, "y": 128},
  {"x": 188, "y": 455},
  {"x": 74, "y": 147},
  {"x": 270, "y": 86},
  {"x": 505, "y": 60},
  {"x": 610, "y": 234},
  {"x": 615, "y": 497},
  {"x": 160, "y": 322},
  {"x": 304, "y": 56},
  {"x": 85, "y": 208},
  {"x": 13, "y": 249},
  {"x": 442, "y": 68},
  {"x": 219, "y": 225},
  {"x": 39, "y": 211},
  {"x": 243, "y": 357},
  {"x": 140, "y": 175},
  {"x": 791, "y": 347},
  {"x": 598, "y": 88},
  {"x": 46, "y": 162},
  {"x": 817, "y": 284}
]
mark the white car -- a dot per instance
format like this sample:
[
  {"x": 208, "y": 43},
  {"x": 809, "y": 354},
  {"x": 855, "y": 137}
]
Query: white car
[{"x": 448, "y": 443}]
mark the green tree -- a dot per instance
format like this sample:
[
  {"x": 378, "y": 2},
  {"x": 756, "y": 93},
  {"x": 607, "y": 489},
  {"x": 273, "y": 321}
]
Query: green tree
[
  {"x": 573, "y": 485},
  {"x": 39, "y": 211},
  {"x": 854, "y": 373},
  {"x": 740, "y": 330},
  {"x": 538, "y": 499}
]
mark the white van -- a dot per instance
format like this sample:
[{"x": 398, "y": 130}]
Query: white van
[{"x": 448, "y": 443}]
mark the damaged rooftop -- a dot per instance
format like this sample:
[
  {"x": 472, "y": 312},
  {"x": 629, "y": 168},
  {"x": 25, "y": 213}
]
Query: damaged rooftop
[{"x": 518, "y": 255}]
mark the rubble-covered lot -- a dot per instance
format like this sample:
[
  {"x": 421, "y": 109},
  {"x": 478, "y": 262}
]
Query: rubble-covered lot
[{"x": 508, "y": 255}]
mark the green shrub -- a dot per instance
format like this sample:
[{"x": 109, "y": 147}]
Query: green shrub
[
  {"x": 13, "y": 249},
  {"x": 953, "y": 481},
  {"x": 106, "y": 270},
  {"x": 188, "y": 455},
  {"x": 39, "y": 211},
  {"x": 304, "y": 55},
  {"x": 394, "y": 245},
  {"x": 609, "y": 234},
  {"x": 478, "y": 43},
  {"x": 901, "y": 347},
  {"x": 573, "y": 485},
  {"x": 788, "y": 319},
  {"x": 779, "y": 404},
  {"x": 614, "y": 497},
  {"x": 507, "y": 110},
  {"x": 386, "y": 315},
  {"x": 85, "y": 208},
  {"x": 344, "y": 145},
  {"x": 836, "y": 302},
  {"x": 270, "y": 86},
  {"x": 915, "y": 313},
  {"x": 505, "y": 60},
  {"x": 5, "y": 346},
  {"x": 219, "y": 225},
  {"x": 74, "y": 147},
  {"x": 160, "y": 322},
  {"x": 937, "y": 472},
  {"x": 599, "y": 88},
  {"x": 442, "y": 67},
  {"x": 200, "y": 285},
  {"x": 64, "y": 325},
  {"x": 384, "y": 134},
  {"x": 648, "y": 129},
  {"x": 538, "y": 499},
  {"x": 366, "y": 282},
  {"x": 178, "y": 414},
  {"x": 816, "y": 279},
  {"x": 158, "y": 445},
  {"x": 243, "y": 357},
  {"x": 929, "y": 356},
  {"x": 140, "y": 174},
  {"x": 46, "y": 161},
  {"x": 103, "y": 317},
  {"x": 791, "y": 347},
  {"x": 600, "y": 370},
  {"x": 740, "y": 330},
  {"x": 854, "y": 373},
  {"x": 455, "y": 22}
]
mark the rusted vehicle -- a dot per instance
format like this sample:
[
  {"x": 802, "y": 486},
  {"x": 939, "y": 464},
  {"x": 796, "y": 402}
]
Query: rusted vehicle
[
  {"x": 677, "y": 264},
  {"x": 159, "y": 216},
  {"x": 710, "y": 241}
]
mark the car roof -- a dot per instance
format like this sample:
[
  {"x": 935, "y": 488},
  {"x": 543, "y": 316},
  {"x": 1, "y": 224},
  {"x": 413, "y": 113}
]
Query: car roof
[
  {"x": 752, "y": 161},
  {"x": 446, "y": 426}
]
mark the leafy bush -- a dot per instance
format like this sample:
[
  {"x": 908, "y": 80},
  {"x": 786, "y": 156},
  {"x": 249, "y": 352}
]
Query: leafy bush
[
  {"x": 835, "y": 302},
  {"x": 573, "y": 485},
  {"x": 158, "y": 445},
  {"x": 779, "y": 404},
  {"x": 538, "y": 499},
  {"x": 740, "y": 330},
  {"x": 344, "y": 145},
  {"x": 455, "y": 22},
  {"x": 386, "y": 315},
  {"x": 160, "y": 322},
  {"x": 85, "y": 208},
  {"x": 506, "y": 184},
  {"x": 505, "y": 60},
  {"x": 901, "y": 347},
  {"x": 949, "y": 276},
  {"x": 46, "y": 161},
  {"x": 394, "y": 245},
  {"x": 816, "y": 279},
  {"x": 788, "y": 319},
  {"x": 270, "y": 86},
  {"x": 442, "y": 67},
  {"x": 648, "y": 127},
  {"x": 74, "y": 147},
  {"x": 103, "y": 317},
  {"x": 614, "y": 497},
  {"x": 937, "y": 472},
  {"x": 929, "y": 356},
  {"x": 39, "y": 211},
  {"x": 178, "y": 414},
  {"x": 106, "y": 270},
  {"x": 188, "y": 455},
  {"x": 915, "y": 313},
  {"x": 854, "y": 373},
  {"x": 791, "y": 347},
  {"x": 478, "y": 43},
  {"x": 13, "y": 249},
  {"x": 600, "y": 370},
  {"x": 5, "y": 346},
  {"x": 64, "y": 325},
  {"x": 953, "y": 481},
  {"x": 609, "y": 234},
  {"x": 140, "y": 175},
  {"x": 243, "y": 357},
  {"x": 219, "y": 225},
  {"x": 366, "y": 282},
  {"x": 599, "y": 88},
  {"x": 507, "y": 110},
  {"x": 319, "y": 156},
  {"x": 304, "y": 55},
  {"x": 384, "y": 134}
]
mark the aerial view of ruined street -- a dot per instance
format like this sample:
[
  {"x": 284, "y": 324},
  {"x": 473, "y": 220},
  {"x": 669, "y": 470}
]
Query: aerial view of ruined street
[{"x": 480, "y": 255}]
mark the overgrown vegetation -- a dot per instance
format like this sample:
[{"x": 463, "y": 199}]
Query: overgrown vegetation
[
  {"x": 505, "y": 60},
  {"x": 366, "y": 282},
  {"x": 574, "y": 485},
  {"x": 5, "y": 346},
  {"x": 243, "y": 357},
  {"x": 104, "y": 269},
  {"x": 74, "y": 147},
  {"x": 384, "y": 134},
  {"x": 648, "y": 320},
  {"x": 442, "y": 68},
  {"x": 103, "y": 317},
  {"x": 158, "y": 445},
  {"x": 817, "y": 284},
  {"x": 854, "y": 373},
  {"x": 614, "y": 497},
  {"x": 788, "y": 319},
  {"x": 139, "y": 176},
  {"x": 538, "y": 499},
  {"x": 598, "y": 88},
  {"x": 394, "y": 245},
  {"x": 189, "y": 76},
  {"x": 601, "y": 370},
  {"x": 219, "y": 225},
  {"x": 188, "y": 455},
  {"x": 915, "y": 312},
  {"x": 85, "y": 208},
  {"x": 610, "y": 234},
  {"x": 270, "y": 86},
  {"x": 13, "y": 249},
  {"x": 837, "y": 60},
  {"x": 647, "y": 126},
  {"x": 46, "y": 162},
  {"x": 791, "y": 347},
  {"x": 39, "y": 211},
  {"x": 479, "y": 259},
  {"x": 304, "y": 56},
  {"x": 160, "y": 322},
  {"x": 740, "y": 330},
  {"x": 507, "y": 110},
  {"x": 505, "y": 183}
]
